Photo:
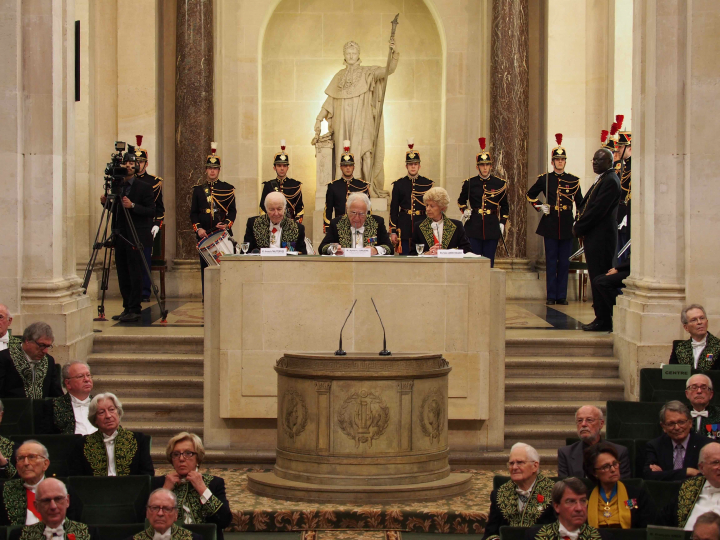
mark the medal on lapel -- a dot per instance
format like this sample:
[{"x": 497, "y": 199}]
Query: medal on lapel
[{"x": 631, "y": 503}]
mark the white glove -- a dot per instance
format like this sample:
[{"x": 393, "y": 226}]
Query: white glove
[
  {"x": 623, "y": 223},
  {"x": 467, "y": 213},
  {"x": 502, "y": 229},
  {"x": 154, "y": 230},
  {"x": 545, "y": 208}
]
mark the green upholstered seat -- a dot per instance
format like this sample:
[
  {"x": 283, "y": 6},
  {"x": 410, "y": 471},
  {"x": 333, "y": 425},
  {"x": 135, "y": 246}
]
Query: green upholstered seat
[
  {"x": 662, "y": 493},
  {"x": 512, "y": 533},
  {"x": 207, "y": 530},
  {"x": 18, "y": 417},
  {"x": 119, "y": 532},
  {"x": 60, "y": 447},
  {"x": 112, "y": 499},
  {"x": 629, "y": 534},
  {"x": 633, "y": 419}
]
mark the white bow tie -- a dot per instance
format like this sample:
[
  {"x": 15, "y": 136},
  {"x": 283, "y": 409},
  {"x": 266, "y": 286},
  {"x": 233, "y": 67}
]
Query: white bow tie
[
  {"x": 698, "y": 344},
  {"x": 5, "y": 338},
  {"x": 695, "y": 413},
  {"x": 111, "y": 438},
  {"x": 54, "y": 533}
]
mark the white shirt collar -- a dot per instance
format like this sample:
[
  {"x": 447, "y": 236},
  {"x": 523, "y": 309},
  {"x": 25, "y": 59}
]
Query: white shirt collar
[
  {"x": 78, "y": 402},
  {"x": 167, "y": 535},
  {"x": 701, "y": 343},
  {"x": 564, "y": 532},
  {"x": 33, "y": 487},
  {"x": 5, "y": 338},
  {"x": 273, "y": 226}
]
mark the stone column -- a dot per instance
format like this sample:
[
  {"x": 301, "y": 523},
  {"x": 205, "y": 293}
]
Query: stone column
[
  {"x": 194, "y": 113},
  {"x": 509, "y": 117},
  {"x": 675, "y": 252}
]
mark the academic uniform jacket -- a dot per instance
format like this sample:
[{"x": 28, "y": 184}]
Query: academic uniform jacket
[
  {"x": 570, "y": 460},
  {"x": 551, "y": 532},
  {"x": 504, "y": 508},
  {"x": 257, "y": 233},
  {"x": 177, "y": 533},
  {"x": 132, "y": 455},
  {"x": 80, "y": 530},
  {"x": 142, "y": 216},
  {"x": 453, "y": 235},
  {"x": 488, "y": 200},
  {"x": 677, "y": 512},
  {"x": 13, "y": 503},
  {"x": 339, "y": 232},
  {"x": 58, "y": 415},
  {"x": 12, "y": 385},
  {"x": 660, "y": 452},
  {"x": 643, "y": 513},
  {"x": 216, "y": 510},
  {"x": 682, "y": 353}
]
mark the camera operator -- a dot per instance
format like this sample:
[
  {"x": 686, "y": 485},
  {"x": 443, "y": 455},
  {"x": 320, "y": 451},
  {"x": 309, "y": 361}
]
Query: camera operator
[
  {"x": 213, "y": 205},
  {"x": 156, "y": 183},
  {"x": 137, "y": 198}
]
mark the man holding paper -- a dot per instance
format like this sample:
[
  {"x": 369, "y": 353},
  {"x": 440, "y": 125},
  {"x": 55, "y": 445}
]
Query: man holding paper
[
  {"x": 357, "y": 229},
  {"x": 275, "y": 228}
]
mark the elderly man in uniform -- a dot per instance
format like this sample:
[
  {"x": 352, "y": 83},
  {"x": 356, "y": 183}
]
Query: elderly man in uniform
[
  {"x": 407, "y": 207},
  {"x": 702, "y": 349},
  {"x": 26, "y": 368},
  {"x": 483, "y": 199},
  {"x": 563, "y": 190},
  {"x": 705, "y": 417},
  {"x": 357, "y": 229},
  {"x": 291, "y": 188},
  {"x": 69, "y": 413},
  {"x": 339, "y": 190},
  {"x": 5, "y": 322},
  {"x": 275, "y": 228},
  {"x": 162, "y": 513},
  {"x": 525, "y": 499}
]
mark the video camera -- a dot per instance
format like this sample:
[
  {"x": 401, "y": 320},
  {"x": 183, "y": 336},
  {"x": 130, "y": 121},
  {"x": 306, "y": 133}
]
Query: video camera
[{"x": 116, "y": 170}]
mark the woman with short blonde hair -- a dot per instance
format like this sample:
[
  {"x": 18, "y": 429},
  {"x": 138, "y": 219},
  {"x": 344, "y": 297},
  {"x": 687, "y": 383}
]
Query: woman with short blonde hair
[{"x": 437, "y": 231}]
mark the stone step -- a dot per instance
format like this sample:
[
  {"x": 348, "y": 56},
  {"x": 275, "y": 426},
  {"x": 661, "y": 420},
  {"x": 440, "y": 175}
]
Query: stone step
[
  {"x": 539, "y": 435},
  {"x": 154, "y": 387},
  {"x": 545, "y": 412},
  {"x": 148, "y": 344},
  {"x": 561, "y": 366},
  {"x": 162, "y": 432},
  {"x": 142, "y": 363},
  {"x": 559, "y": 346},
  {"x": 563, "y": 389},
  {"x": 177, "y": 410}
]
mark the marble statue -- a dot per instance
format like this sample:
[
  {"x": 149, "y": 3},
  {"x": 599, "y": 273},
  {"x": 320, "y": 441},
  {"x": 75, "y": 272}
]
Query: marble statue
[{"x": 353, "y": 98}]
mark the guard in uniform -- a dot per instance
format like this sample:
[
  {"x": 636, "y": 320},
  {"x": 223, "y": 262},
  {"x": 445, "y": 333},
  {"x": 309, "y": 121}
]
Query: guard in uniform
[
  {"x": 483, "y": 199},
  {"x": 624, "y": 172},
  {"x": 338, "y": 190},
  {"x": 406, "y": 204},
  {"x": 213, "y": 205},
  {"x": 156, "y": 183},
  {"x": 563, "y": 190},
  {"x": 291, "y": 188}
]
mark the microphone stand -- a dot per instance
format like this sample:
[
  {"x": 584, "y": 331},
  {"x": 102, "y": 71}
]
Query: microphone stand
[
  {"x": 340, "y": 351},
  {"x": 384, "y": 352}
]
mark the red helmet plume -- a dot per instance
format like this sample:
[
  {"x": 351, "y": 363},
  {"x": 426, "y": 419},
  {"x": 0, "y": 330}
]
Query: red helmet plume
[
  {"x": 481, "y": 140},
  {"x": 604, "y": 135}
]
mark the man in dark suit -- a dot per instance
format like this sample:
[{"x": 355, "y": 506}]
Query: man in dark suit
[
  {"x": 162, "y": 513},
  {"x": 589, "y": 421},
  {"x": 596, "y": 225},
  {"x": 357, "y": 228},
  {"x": 607, "y": 286},
  {"x": 675, "y": 454},
  {"x": 26, "y": 370},
  {"x": 275, "y": 228},
  {"x": 136, "y": 202}
]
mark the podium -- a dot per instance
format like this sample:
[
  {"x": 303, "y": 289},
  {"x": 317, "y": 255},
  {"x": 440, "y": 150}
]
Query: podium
[{"x": 361, "y": 428}]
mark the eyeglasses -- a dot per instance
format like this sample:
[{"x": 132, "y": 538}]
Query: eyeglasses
[
  {"x": 580, "y": 421},
  {"x": 42, "y": 345},
  {"x": 105, "y": 412},
  {"x": 696, "y": 387},
  {"x": 696, "y": 320},
  {"x": 358, "y": 214},
  {"x": 608, "y": 466},
  {"x": 78, "y": 377},
  {"x": 517, "y": 463},
  {"x": 187, "y": 454},
  {"x": 57, "y": 500},
  {"x": 714, "y": 464},
  {"x": 166, "y": 509},
  {"x": 29, "y": 457},
  {"x": 679, "y": 423}
]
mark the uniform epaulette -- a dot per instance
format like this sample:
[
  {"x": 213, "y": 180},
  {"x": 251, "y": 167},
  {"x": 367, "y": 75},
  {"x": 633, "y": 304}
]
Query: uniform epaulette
[
  {"x": 501, "y": 179},
  {"x": 468, "y": 179},
  {"x": 571, "y": 174},
  {"x": 363, "y": 181}
]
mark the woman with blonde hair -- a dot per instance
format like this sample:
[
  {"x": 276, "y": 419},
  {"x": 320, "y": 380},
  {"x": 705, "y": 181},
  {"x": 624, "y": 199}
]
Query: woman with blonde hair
[{"x": 437, "y": 231}]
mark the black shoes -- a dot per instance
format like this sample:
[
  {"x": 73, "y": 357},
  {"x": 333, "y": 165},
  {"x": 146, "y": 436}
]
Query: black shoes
[
  {"x": 562, "y": 302},
  {"x": 130, "y": 317},
  {"x": 598, "y": 326},
  {"x": 117, "y": 317},
  {"x": 145, "y": 298},
  {"x": 550, "y": 303}
]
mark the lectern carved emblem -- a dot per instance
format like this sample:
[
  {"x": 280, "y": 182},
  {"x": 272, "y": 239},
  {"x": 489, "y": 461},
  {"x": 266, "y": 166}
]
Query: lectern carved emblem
[
  {"x": 294, "y": 414},
  {"x": 432, "y": 415},
  {"x": 363, "y": 417}
]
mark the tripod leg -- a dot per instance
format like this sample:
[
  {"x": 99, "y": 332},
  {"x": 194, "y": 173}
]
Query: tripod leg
[{"x": 107, "y": 261}]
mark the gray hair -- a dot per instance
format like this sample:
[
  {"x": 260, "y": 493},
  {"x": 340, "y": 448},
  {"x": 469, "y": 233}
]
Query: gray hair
[
  {"x": 705, "y": 449},
  {"x": 66, "y": 370},
  {"x": 93, "y": 407},
  {"x": 674, "y": 406},
  {"x": 683, "y": 313},
  {"x": 708, "y": 518},
  {"x": 4, "y": 308},
  {"x": 439, "y": 196},
  {"x": 575, "y": 485},
  {"x": 598, "y": 411},
  {"x": 64, "y": 487},
  {"x": 37, "y": 330},
  {"x": 358, "y": 196},
  {"x": 165, "y": 491},
  {"x": 708, "y": 379},
  {"x": 43, "y": 449},
  {"x": 276, "y": 195},
  {"x": 530, "y": 452}
]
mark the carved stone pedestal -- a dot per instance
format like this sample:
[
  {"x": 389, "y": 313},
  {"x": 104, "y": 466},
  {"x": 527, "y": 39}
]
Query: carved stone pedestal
[{"x": 361, "y": 428}]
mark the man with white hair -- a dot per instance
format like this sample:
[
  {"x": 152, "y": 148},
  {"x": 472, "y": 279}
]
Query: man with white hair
[
  {"x": 275, "y": 228},
  {"x": 702, "y": 349},
  {"x": 589, "y": 421},
  {"x": 69, "y": 413},
  {"x": 5, "y": 322},
  {"x": 525, "y": 499},
  {"x": 357, "y": 229},
  {"x": 699, "y": 392},
  {"x": 162, "y": 513}
]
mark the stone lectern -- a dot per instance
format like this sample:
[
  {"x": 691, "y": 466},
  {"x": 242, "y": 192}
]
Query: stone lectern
[{"x": 361, "y": 428}]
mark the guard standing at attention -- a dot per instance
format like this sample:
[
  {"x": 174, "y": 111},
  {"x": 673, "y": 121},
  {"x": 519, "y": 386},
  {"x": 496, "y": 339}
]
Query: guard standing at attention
[
  {"x": 483, "y": 199},
  {"x": 338, "y": 190},
  {"x": 213, "y": 205},
  {"x": 406, "y": 203},
  {"x": 291, "y": 188},
  {"x": 624, "y": 172},
  {"x": 563, "y": 190}
]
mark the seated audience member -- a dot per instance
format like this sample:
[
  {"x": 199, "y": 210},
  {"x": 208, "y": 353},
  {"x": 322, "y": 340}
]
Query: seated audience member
[
  {"x": 525, "y": 499},
  {"x": 5, "y": 322},
  {"x": 51, "y": 503},
  {"x": 275, "y": 228},
  {"x": 437, "y": 231},
  {"x": 111, "y": 450},
  {"x": 69, "y": 413},
  {"x": 26, "y": 370},
  {"x": 357, "y": 228},
  {"x": 607, "y": 286},
  {"x": 7, "y": 447},
  {"x": 589, "y": 421},
  {"x": 707, "y": 527},
  {"x": 674, "y": 455},
  {"x": 611, "y": 502},
  {"x": 201, "y": 497},
  {"x": 162, "y": 513},
  {"x": 697, "y": 495},
  {"x": 17, "y": 496},
  {"x": 569, "y": 498},
  {"x": 702, "y": 349},
  {"x": 699, "y": 392}
]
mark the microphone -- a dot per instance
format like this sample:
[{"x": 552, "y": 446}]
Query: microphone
[
  {"x": 340, "y": 351},
  {"x": 384, "y": 352}
]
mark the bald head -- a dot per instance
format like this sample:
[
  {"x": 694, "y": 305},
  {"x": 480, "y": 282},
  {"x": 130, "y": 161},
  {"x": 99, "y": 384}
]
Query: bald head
[
  {"x": 602, "y": 160},
  {"x": 589, "y": 421},
  {"x": 52, "y": 501}
]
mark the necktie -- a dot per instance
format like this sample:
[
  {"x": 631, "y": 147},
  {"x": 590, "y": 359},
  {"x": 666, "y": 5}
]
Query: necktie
[
  {"x": 695, "y": 413},
  {"x": 31, "y": 503},
  {"x": 54, "y": 533},
  {"x": 679, "y": 457}
]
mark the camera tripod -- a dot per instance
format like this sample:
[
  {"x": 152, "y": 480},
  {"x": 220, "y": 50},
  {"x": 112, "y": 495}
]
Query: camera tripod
[{"x": 107, "y": 243}]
